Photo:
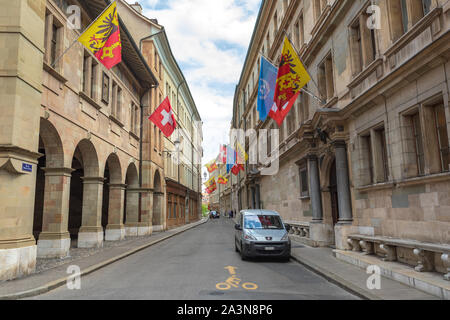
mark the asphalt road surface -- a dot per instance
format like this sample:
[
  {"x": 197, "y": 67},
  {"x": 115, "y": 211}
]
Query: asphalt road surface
[{"x": 196, "y": 265}]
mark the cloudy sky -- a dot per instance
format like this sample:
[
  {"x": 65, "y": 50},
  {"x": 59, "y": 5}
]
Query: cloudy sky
[{"x": 209, "y": 39}]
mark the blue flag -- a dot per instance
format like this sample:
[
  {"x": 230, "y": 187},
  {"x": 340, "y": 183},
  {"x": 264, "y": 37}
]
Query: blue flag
[
  {"x": 266, "y": 91},
  {"x": 231, "y": 158}
]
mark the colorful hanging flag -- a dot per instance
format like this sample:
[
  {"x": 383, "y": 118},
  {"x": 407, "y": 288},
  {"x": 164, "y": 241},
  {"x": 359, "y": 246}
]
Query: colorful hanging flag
[
  {"x": 222, "y": 155},
  {"x": 222, "y": 180},
  {"x": 280, "y": 115},
  {"x": 242, "y": 156},
  {"x": 211, "y": 185},
  {"x": 266, "y": 90},
  {"x": 237, "y": 168},
  {"x": 102, "y": 37},
  {"x": 212, "y": 166},
  {"x": 231, "y": 158},
  {"x": 292, "y": 77},
  {"x": 164, "y": 118}
]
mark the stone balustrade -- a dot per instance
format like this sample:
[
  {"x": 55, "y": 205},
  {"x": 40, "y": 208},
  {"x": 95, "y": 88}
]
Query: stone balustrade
[
  {"x": 423, "y": 252},
  {"x": 299, "y": 229}
]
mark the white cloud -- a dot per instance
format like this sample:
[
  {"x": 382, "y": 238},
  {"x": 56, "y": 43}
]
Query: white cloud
[{"x": 209, "y": 39}]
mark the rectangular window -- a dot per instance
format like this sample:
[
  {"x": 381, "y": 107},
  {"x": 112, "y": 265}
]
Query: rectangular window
[
  {"x": 275, "y": 25},
  {"x": 304, "y": 186},
  {"x": 369, "y": 158},
  {"x": 356, "y": 48},
  {"x": 419, "y": 150},
  {"x": 54, "y": 44},
  {"x": 442, "y": 135},
  {"x": 302, "y": 32},
  {"x": 113, "y": 99},
  {"x": 326, "y": 78},
  {"x": 119, "y": 104},
  {"x": 94, "y": 70},
  {"x": 381, "y": 141},
  {"x": 105, "y": 88},
  {"x": 404, "y": 14}
]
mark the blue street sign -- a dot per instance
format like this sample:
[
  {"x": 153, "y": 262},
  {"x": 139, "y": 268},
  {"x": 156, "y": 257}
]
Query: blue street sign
[{"x": 27, "y": 167}]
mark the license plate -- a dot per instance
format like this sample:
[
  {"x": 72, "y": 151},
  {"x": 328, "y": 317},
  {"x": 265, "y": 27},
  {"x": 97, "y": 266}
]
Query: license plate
[{"x": 270, "y": 248}]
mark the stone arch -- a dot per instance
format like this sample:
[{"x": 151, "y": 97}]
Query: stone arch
[
  {"x": 85, "y": 195},
  {"x": 113, "y": 195},
  {"x": 131, "y": 204},
  {"x": 157, "y": 218},
  {"x": 52, "y": 144},
  {"x": 51, "y": 194},
  {"x": 86, "y": 153}
]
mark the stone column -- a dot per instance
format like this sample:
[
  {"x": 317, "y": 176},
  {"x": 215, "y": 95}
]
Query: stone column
[
  {"x": 91, "y": 231},
  {"x": 343, "y": 183},
  {"x": 132, "y": 212},
  {"x": 115, "y": 230},
  {"x": 145, "y": 225},
  {"x": 314, "y": 187},
  {"x": 54, "y": 241},
  {"x": 22, "y": 37}
]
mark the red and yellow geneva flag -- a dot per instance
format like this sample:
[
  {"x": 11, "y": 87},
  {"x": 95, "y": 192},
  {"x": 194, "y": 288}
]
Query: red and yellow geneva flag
[
  {"x": 222, "y": 180},
  {"x": 292, "y": 77},
  {"x": 212, "y": 166},
  {"x": 102, "y": 37}
]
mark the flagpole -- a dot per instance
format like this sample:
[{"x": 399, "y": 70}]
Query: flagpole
[
  {"x": 76, "y": 40},
  {"x": 268, "y": 59},
  {"x": 312, "y": 79},
  {"x": 63, "y": 54}
]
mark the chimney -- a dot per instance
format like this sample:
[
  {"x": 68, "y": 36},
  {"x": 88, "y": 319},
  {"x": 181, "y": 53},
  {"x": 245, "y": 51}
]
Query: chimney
[{"x": 136, "y": 6}]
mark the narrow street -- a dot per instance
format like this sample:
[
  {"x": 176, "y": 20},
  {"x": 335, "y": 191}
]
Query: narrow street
[{"x": 190, "y": 265}]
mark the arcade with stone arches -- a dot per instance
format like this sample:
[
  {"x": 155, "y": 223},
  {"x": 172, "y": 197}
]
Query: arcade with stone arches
[{"x": 84, "y": 195}]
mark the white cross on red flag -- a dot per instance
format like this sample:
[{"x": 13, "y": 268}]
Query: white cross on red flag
[{"x": 164, "y": 118}]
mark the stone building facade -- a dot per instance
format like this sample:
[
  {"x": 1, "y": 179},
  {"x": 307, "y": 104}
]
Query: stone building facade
[
  {"x": 179, "y": 198},
  {"x": 373, "y": 157},
  {"x": 72, "y": 139}
]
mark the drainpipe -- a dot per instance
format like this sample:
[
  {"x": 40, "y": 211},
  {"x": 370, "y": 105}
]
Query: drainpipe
[{"x": 141, "y": 133}]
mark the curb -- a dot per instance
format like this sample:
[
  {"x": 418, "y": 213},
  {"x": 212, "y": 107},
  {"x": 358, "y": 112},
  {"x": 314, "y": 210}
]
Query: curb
[
  {"x": 335, "y": 279},
  {"x": 60, "y": 282}
]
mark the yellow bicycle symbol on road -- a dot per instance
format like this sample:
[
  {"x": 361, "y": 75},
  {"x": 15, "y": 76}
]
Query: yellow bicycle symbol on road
[{"x": 234, "y": 282}]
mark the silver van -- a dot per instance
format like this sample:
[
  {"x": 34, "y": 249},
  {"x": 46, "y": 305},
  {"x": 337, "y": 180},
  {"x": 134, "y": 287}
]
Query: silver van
[{"x": 261, "y": 233}]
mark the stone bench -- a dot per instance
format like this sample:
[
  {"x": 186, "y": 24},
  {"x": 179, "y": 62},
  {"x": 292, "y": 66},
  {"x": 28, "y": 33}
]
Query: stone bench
[
  {"x": 423, "y": 251},
  {"x": 300, "y": 229}
]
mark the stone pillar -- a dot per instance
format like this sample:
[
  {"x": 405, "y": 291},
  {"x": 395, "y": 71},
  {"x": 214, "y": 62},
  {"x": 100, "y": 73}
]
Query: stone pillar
[
  {"x": 145, "y": 225},
  {"x": 115, "y": 230},
  {"x": 343, "y": 183},
  {"x": 314, "y": 187},
  {"x": 159, "y": 210},
  {"x": 132, "y": 212},
  {"x": 91, "y": 231},
  {"x": 22, "y": 26},
  {"x": 54, "y": 241}
]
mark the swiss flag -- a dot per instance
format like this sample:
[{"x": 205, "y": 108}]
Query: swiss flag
[
  {"x": 223, "y": 154},
  {"x": 164, "y": 118},
  {"x": 280, "y": 114}
]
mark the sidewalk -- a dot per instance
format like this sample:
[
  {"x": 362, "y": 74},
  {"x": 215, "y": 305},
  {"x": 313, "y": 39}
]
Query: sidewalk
[
  {"x": 352, "y": 278},
  {"x": 50, "y": 279}
]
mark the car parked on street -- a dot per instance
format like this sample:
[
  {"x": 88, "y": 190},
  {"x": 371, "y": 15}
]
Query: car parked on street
[
  {"x": 214, "y": 215},
  {"x": 262, "y": 233}
]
